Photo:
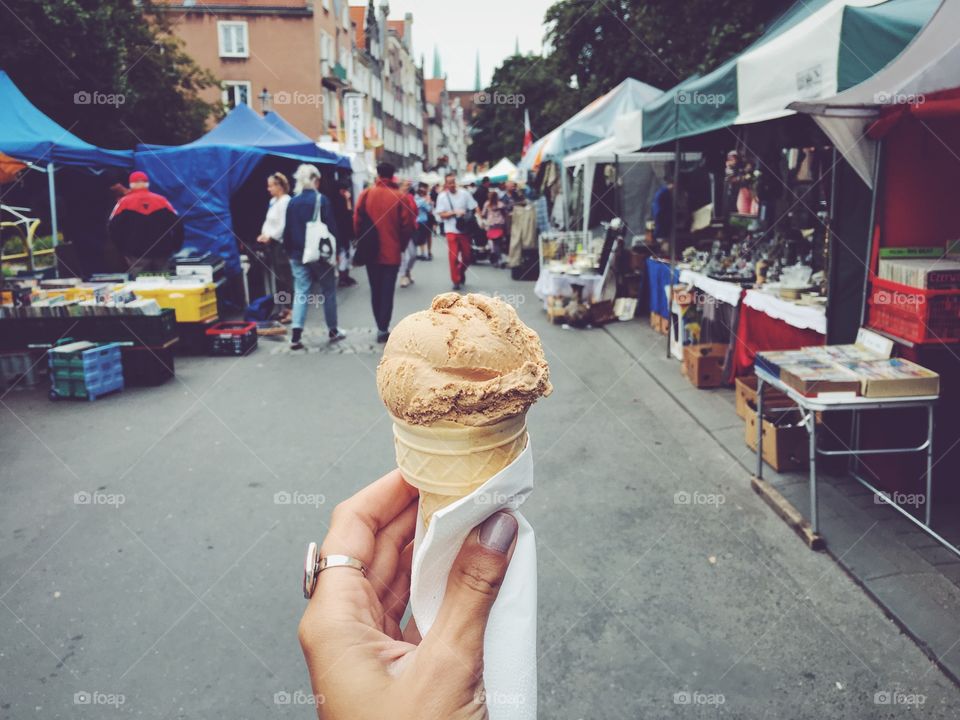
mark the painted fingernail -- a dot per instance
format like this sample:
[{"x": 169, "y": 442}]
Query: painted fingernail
[{"x": 497, "y": 531}]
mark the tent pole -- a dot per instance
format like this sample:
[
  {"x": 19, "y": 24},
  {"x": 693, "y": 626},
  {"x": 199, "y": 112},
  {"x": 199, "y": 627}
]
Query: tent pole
[
  {"x": 873, "y": 220},
  {"x": 673, "y": 239},
  {"x": 51, "y": 186}
]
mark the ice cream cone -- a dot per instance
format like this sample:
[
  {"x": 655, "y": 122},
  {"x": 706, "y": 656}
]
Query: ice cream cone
[{"x": 447, "y": 461}]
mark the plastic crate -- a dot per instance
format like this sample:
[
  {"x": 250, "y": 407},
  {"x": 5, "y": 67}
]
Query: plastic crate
[
  {"x": 192, "y": 303},
  {"x": 85, "y": 370},
  {"x": 232, "y": 338},
  {"x": 920, "y": 316}
]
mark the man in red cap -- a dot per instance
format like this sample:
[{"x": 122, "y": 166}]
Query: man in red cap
[{"x": 145, "y": 227}]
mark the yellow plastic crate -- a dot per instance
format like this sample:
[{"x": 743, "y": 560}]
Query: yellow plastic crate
[{"x": 191, "y": 303}]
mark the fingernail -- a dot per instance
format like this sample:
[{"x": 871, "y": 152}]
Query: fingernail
[{"x": 497, "y": 531}]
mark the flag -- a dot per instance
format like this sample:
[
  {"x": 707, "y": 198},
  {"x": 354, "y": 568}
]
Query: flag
[{"x": 527, "y": 133}]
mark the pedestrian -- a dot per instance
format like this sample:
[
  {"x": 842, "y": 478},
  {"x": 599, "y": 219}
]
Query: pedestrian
[
  {"x": 662, "y": 211},
  {"x": 307, "y": 205},
  {"x": 144, "y": 227},
  {"x": 424, "y": 233},
  {"x": 482, "y": 192},
  {"x": 409, "y": 256},
  {"x": 495, "y": 222},
  {"x": 454, "y": 207},
  {"x": 343, "y": 209},
  {"x": 271, "y": 237},
  {"x": 384, "y": 207}
]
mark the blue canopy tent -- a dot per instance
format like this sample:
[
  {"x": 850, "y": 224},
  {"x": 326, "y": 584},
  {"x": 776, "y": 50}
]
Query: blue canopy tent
[
  {"x": 29, "y": 136},
  {"x": 200, "y": 177}
]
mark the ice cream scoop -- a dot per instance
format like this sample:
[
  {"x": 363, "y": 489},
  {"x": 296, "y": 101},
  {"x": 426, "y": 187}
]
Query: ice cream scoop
[{"x": 458, "y": 380}]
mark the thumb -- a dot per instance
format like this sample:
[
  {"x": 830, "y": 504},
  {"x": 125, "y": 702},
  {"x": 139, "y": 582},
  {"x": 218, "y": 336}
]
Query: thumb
[{"x": 473, "y": 585}]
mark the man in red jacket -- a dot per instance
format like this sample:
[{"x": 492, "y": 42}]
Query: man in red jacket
[
  {"x": 395, "y": 220},
  {"x": 144, "y": 227}
]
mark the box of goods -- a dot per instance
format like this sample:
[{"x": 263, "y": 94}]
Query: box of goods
[
  {"x": 894, "y": 377},
  {"x": 921, "y": 273},
  {"x": 232, "y": 338},
  {"x": 84, "y": 370},
  {"x": 813, "y": 377},
  {"x": 771, "y": 360},
  {"x": 146, "y": 367},
  {"x": 914, "y": 314},
  {"x": 703, "y": 364},
  {"x": 746, "y": 395},
  {"x": 786, "y": 443},
  {"x": 192, "y": 303},
  {"x": 659, "y": 323}
]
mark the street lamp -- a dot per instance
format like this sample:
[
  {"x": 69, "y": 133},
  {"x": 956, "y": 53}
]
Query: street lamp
[{"x": 265, "y": 98}]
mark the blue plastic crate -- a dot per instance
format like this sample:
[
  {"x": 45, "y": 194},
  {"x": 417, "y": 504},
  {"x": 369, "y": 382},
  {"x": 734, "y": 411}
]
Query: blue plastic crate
[{"x": 84, "y": 371}]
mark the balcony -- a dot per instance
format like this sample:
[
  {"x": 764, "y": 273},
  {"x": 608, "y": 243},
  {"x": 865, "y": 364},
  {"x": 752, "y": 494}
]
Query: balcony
[{"x": 334, "y": 76}]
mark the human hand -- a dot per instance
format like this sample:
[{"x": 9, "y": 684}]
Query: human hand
[
  {"x": 360, "y": 663},
  {"x": 263, "y": 239},
  {"x": 460, "y": 213}
]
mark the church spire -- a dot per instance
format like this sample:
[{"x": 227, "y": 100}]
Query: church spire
[
  {"x": 437, "y": 72},
  {"x": 476, "y": 74}
]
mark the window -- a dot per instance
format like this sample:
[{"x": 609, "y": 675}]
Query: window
[
  {"x": 326, "y": 5},
  {"x": 234, "y": 42},
  {"x": 236, "y": 92}
]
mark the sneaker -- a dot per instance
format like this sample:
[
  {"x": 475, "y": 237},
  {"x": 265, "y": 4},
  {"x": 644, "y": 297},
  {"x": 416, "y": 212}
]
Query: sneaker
[
  {"x": 347, "y": 281},
  {"x": 457, "y": 287},
  {"x": 405, "y": 281},
  {"x": 296, "y": 345},
  {"x": 383, "y": 336},
  {"x": 336, "y": 335}
]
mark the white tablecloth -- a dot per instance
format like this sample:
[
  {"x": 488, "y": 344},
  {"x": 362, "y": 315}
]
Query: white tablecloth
[
  {"x": 805, "y": 317},
  {"x": 724, "y": 291},
  {"x": 550, "y": 283}
]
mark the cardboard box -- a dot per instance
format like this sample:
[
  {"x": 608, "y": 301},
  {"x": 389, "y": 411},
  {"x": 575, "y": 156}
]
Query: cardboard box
[
  {"x": 894, "y": 377},
  {"x": 747, "y": 396},
  {"x": 703, "y": 364},
  {"x": 815, "y": 377},
  {"x": 786, "y": 444},
  {"x": 659, "y": 323}
]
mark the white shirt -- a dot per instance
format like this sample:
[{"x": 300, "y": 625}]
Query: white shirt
[
  {"x": 276, "y": 217},
  {"x": 460, "y": 200}
]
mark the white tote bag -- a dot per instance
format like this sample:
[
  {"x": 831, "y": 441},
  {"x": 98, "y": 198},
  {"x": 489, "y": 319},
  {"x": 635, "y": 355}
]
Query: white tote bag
[{"x": 319, "y": 243}]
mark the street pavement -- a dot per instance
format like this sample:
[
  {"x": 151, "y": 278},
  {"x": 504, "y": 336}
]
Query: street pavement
[{"x": 151, "y": 544}]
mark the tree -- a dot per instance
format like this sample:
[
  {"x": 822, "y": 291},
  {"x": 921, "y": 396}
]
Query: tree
[
  {"x": 594, "y": 46},
  {"x": 109, "y": 71}
]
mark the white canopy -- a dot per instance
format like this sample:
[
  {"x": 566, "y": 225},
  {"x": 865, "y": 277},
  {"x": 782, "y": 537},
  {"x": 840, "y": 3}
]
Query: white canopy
[
  {"x": 504, "y": 169},
  {"x": 929, "y": 64}
]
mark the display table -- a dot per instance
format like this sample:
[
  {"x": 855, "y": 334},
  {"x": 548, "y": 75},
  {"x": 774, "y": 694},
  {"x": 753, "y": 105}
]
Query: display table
[
  {"x": 727, "y": 292},
  {"x": 768, "y": 322},
  {"x": 809, "y": 406},
  {"x": 553, "y": 283}
]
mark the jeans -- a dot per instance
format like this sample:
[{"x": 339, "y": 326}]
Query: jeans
[
  {"x": 383, "y": 281},
  {"x": 304, "y": 277},
  {"x": 459, "y": 252},
  {"x": 407, "y": 259}
]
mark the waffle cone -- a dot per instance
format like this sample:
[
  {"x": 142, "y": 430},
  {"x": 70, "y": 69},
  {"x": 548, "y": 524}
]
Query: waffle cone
[{"x": 447, "y": 461}]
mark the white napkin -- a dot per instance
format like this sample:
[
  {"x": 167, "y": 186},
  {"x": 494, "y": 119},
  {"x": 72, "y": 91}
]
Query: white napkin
[{"x": 510, "y": 643}]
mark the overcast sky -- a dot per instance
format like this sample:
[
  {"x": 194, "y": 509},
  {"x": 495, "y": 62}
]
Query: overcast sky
[{"x": 459, "y": 29}]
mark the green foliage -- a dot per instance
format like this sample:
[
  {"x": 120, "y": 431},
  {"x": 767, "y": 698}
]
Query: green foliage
[
  {"x": 56, "y": 50},
  {"x": 596, "y": 45}
]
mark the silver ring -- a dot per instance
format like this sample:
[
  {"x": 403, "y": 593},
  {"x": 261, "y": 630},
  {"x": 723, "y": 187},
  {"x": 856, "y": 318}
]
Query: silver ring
[{"x": 313, "y": 565}]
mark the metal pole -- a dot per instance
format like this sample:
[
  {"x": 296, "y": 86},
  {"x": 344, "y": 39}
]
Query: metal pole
[
  {"x": 673, "y": 238},
  {"x": 812, "y": 425},
  {"x": 873, "y": 220},
  {"x": 759, "y": 427},
  {"x": 51, "y": 185},
  {"x": 928, "y": 500},
  {"x": 828, "y": 235}
]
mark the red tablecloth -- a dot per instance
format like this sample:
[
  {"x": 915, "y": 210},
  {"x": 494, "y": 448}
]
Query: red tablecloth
[{"x": 757, "y": 332}]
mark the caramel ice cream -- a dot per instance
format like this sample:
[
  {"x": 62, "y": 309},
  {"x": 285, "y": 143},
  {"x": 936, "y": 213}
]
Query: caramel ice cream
[{"x": 458, "y": 380}]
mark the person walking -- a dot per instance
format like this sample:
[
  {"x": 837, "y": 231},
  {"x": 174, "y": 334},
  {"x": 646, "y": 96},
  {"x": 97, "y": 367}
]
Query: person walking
[
  {"x": 343, "y": 210},
  {"x": 409, "y": 256},
  {"x": 453, "y": 206},
  {"x": 423, "y": 237},
  {"x": 383, "y": 206},
  {"x": 309, "y": 204},
  {"x": 482, "y": 192},
  {"x": 271, "y": 237},
  {"x": 144, "y": 227},
  {"x": 495, "y": 221}
]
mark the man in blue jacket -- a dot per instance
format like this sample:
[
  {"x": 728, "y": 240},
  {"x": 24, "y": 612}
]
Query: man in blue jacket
[{"x": 300, "y": 211}]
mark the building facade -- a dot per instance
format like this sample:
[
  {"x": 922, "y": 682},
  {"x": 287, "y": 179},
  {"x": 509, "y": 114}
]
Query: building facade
[{"x": 445, "y": 138}]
